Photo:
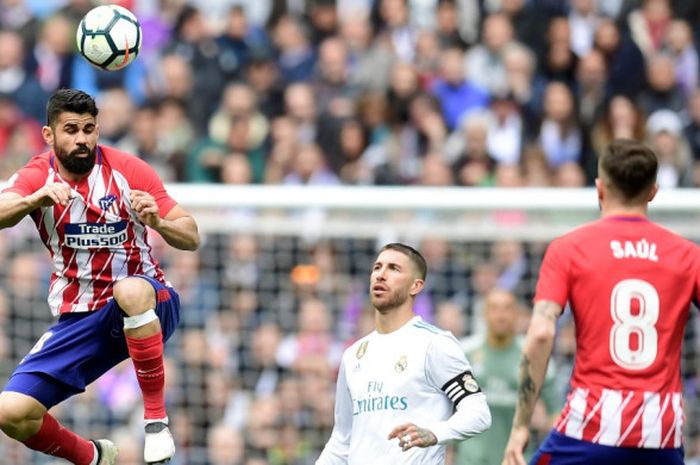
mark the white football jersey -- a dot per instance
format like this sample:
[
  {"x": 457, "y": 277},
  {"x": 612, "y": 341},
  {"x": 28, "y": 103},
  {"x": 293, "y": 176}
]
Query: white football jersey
[{"x": 389, "y": 379}]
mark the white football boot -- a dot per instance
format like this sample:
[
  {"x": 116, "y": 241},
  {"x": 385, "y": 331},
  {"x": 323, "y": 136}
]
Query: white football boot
[{"x": 159, "y": 446}]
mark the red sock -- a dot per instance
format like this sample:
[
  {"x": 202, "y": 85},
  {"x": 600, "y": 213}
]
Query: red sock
[
  {"x": 147, "y": 355},
  {"x": 55, "y": 439}
]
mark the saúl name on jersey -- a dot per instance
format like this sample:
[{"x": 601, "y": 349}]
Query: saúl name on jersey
[{"x": 639, "y": 249}]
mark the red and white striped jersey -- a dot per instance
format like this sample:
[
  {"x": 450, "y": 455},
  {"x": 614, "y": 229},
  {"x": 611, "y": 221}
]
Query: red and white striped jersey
[
  {"x": 97, "y": 238},
  {"x": 629, "y": 284}
]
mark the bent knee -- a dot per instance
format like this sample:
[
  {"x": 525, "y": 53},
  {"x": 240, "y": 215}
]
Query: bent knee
[
  {"x": 19, "y": 414},
  {"x": 134, "y": 295}
]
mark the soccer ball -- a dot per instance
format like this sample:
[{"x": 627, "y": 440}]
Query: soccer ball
[{"x": 109, "y": 37}]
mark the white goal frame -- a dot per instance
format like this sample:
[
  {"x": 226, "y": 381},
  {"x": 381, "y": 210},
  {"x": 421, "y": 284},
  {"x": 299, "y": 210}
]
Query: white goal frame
[{"x": 414, "y": 212}]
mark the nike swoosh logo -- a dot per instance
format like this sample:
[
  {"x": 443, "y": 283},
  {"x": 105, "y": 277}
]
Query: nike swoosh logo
[
  {"x": 125, "y": 61},
  {"x": 144, "y": 372}
]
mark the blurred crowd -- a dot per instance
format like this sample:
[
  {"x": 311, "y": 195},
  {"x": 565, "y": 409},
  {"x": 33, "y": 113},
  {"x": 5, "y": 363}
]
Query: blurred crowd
[
  {"x": 358, "y": 92},
  {"x": 427, "y": 92}
]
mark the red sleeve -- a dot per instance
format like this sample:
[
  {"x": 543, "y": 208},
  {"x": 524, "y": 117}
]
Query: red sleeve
[
  {"x": 553, "y": 282},
  {"x": 141, "y": 176},
  {"x": 30, "y": 178}
]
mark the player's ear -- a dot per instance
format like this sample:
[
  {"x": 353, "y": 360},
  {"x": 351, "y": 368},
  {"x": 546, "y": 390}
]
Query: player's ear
[
  {"x": 416, "y": 287},
  {"x": 599, "y": 188},
  {"x": 47, "y": 134},
  {"x": 652, "y": 192}
]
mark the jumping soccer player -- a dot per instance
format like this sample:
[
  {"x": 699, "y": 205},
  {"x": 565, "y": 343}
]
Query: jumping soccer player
[{"x": 91, "y": 205}]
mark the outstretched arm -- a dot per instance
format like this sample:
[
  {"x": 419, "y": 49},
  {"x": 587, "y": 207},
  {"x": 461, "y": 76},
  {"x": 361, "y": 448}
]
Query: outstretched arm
[
  {"x": 533, "y": 367},
  {"x": 14, "y": 207},
  {"x": 178, "y": 227}
]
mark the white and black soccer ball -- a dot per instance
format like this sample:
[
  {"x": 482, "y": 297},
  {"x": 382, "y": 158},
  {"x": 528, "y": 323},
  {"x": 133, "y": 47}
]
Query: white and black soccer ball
[{"x": 109, "y": 37}]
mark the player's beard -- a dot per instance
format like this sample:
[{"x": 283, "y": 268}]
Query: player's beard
[
  {"x": 74, "y": 163},
  {"x": 393, "y": 300}
]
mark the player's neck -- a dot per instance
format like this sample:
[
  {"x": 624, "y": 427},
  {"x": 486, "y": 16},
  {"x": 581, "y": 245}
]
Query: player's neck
[
  {"x": 499, "y": 342},
  {"x": 389, "y": 321},
  {"x": 611, "y": 208}
]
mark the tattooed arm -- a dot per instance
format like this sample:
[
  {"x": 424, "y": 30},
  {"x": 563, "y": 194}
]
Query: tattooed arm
[{"x": 533, "y": 366}]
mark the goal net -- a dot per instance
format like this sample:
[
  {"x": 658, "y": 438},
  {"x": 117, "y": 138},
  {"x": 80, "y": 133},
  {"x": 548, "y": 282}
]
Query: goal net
[{"x": 278, "y": 290}]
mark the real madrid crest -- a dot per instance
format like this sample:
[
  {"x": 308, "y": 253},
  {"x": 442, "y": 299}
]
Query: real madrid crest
[
  {"x": 469, "y": 383},
  {"x": 401, "y": 364},
  {"x": 361, "y": 350}
]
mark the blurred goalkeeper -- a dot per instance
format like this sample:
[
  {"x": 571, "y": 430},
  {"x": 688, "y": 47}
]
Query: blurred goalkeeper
[
  {"x": 406, "y": 389},
  {"x": 91, "y": 205}
]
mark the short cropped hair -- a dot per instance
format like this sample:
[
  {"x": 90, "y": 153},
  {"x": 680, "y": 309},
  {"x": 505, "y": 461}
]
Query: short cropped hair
[
  {"x": 71, "y": 101},
  {"x": 416, "y": 258},
  {"x": 629, "y": 168}
]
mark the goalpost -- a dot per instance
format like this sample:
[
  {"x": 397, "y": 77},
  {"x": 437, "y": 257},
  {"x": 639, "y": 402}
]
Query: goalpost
[{"x": 449, "y": 213}]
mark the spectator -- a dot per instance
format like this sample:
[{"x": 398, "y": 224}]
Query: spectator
[
  {"x": 238, "y": 42},
  {"x": 663, "y": 92},
  {"x": 679, "y": 44},
  {"x": 621, "y": 119},
  {"x": 474, "y": 165},
  {"x": 449, "y": 20},
  {"x": 648, "y": 25},
  {"x": 583, "y": 19},
  {"x": 309, "y": 167},
  {"x": 526, "y": 87},
  {"x": 313, "y": 342},
  {"x": 225, "y": 446},
  {"x": 331, "y": 84},
  {"x": 558, "y": 62},
  {"x": 15, "y": 82},
  {"x": 484, "y": 63},
  {"x": 116, "y": 113},
  {"x": 396, "y": 28},
  {"x": 495, "y": 356},
  {"x": 370, "y": 61},
  {"x": 560, "y": 134},
  {"x": 457, "y": 95},
  {"x": 20, "y": 137},
  {"x": 295, "y": 55},
  {"x": 193, "y": 42},
  {"x": 591, "y": 91},
  {"x": 665, "y": 134},
  {"x": 262, "y": 75},
  {"x": 625, "y": 62},
  {"x": 51, "y": 58}
]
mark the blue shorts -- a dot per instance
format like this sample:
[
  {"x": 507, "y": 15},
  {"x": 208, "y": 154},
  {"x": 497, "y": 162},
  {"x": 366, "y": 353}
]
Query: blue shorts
[
  {"x": 81, "y": 347},
  {"x": 558, "y": 449}
]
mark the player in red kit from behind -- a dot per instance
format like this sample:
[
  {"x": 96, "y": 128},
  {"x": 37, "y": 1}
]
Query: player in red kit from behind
[
  {"x": 91, "y": 205},
  {"x": 629, "y": 284}
]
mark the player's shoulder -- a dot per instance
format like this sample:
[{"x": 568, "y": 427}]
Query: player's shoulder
[
  {"x": 359, "y": 347},
  {"x": 422, "y": 329},
  {"x": 428, "y": 335}
]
